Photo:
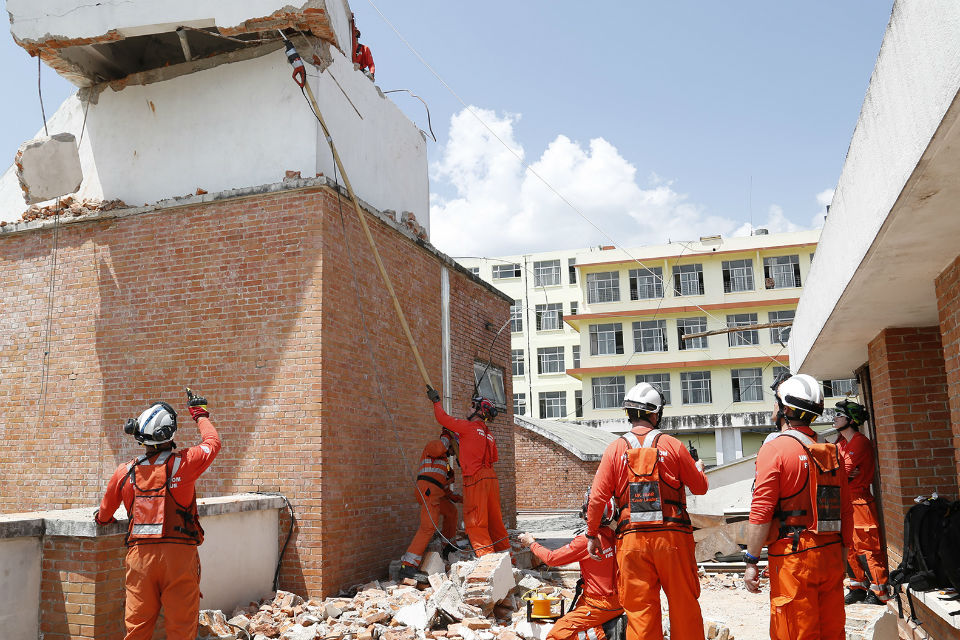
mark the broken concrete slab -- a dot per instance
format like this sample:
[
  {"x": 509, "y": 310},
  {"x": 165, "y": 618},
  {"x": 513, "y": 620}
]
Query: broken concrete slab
[
  {"x": 490, "y": 580},
  {"x": 49, "y": 167},
  {"x": 713, "y": 542},
  {"x": 413, "y": 615},
  {"x": 432, "y": 563}
]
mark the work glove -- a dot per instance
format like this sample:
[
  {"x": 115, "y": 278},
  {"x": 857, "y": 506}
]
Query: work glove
[
  {"x": 197, "y": 406},
  {"x": 432, "y": 394}
]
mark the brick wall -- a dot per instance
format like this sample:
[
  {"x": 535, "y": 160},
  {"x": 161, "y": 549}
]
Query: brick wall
[
  {"x": 250, "y": 301},
  {"x": 81, "y": 588},
  {"x": 914, "y": 438},
  {"x": 548, "y": 475},
  {"x": 948, "y": 302}
]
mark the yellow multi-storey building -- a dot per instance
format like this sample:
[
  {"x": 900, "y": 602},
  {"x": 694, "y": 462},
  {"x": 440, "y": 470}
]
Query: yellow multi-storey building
[{"x": 591, "y": 323}]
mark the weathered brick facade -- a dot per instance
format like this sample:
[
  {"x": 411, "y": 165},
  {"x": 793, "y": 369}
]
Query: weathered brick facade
[
  {"x": 251, "y": 301},
  {"x": 549, "y": 476},
  {"x": 913, "y": 433},
  {"x": 948, "y": 302}
]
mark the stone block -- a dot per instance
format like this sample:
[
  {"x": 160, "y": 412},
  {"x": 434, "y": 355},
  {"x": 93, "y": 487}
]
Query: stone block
[
  {"x": 49, "y": 167},
  {"x": 432, "y": 563}
]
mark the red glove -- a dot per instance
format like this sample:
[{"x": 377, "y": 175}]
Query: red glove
[{"x": 197, "y": 406}]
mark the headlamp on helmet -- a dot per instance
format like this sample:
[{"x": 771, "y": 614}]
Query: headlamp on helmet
[
  {"x": 802, "y": 394},
  {"x": 154, "y": 426}
]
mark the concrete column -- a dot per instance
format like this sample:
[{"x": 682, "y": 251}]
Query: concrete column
[
  {"x": 729, "y": 444},
  {"x": 913, "y": 432}
]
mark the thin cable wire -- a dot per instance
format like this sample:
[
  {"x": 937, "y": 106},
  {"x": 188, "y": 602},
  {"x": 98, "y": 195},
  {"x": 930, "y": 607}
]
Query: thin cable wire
[
  {"x": 40, "y": 93},
  {"x": 524, "y": 164}
]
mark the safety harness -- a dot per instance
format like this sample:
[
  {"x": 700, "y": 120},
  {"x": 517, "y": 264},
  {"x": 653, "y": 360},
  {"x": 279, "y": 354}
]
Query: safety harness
[
  {"x": 817, "y": 506},
  {"x": 154, "y": 515},
  {"x": 652, "y": 503}
]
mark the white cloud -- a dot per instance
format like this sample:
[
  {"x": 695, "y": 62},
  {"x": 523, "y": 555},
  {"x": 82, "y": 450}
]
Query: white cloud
[
  {"x": 497, "y": 208},
  {"x": 824, "y": 198}
]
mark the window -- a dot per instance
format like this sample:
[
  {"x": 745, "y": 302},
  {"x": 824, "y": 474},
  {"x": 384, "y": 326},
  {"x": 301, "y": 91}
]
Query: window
[
  {"x": 737, "y": 275},
  {"x": 741, "y": 338},
  {"x": 646, "y": 283},
  {"x": 608, "y": 392},
  {"x": 549, "y": 316},
  {"x": 839, "y": 388},
  {"x": 503, "y": 271},
  {"x": 576, "y": 356},
  {"x": 553, "y": 404},
  {"x": 475, "y": 271},
  {"x": 781, "y": 272},
  {"x": 578, "y": 403},
  {"x": 686, "y": 326},
  {"x": 516, "y": 356},
  {"x": 603, "y": 287},
  {"x": 747, "y": 385},
  {"x": 695, "y": 387},
  {"x": 650, "y": 335},
  {"x": 572, "y": 270},
  {"x": 546, "y": 273},
  {"x": 780, "y": 335},
  {"x": 516, "y": 316},
  {"x": 573, "y": 308},
  {"x": 550, "y": 360},
  {"x": 606, "y": 339},
  {"x": 489, "y": 381},
  {"x": 688, "y": 280},
  {"x": 520, "y": 404},
  {"x": 660, "y": 381}
]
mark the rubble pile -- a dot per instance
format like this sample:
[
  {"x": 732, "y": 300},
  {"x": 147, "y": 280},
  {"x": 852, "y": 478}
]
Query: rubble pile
[{"x": 70, "y": 207}]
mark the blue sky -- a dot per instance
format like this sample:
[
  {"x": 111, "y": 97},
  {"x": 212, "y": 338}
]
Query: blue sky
[{"x": 672, "y": 105}]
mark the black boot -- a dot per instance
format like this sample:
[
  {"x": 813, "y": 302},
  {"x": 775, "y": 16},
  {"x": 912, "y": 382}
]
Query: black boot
[
  {"x": 407, "y": 571},
  {"x": 855, "y": 595},
  {"x": 447, "y": 550},
  {"x": 872, "y": 598}
]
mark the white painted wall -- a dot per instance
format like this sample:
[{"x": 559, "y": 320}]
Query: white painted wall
[
  {"x": 238, "y": 558},
  {"x": 240, "y": 125},
  {"x": 20, "y": 588},
  {"x": 915, "y": 80},
  {"x": 33, "y": 20}
]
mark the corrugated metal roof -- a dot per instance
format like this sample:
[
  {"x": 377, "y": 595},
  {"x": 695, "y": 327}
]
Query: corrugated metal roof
[{"x": 587, "y": 443}]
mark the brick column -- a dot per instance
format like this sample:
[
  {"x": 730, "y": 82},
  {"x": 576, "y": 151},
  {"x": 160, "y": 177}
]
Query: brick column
[
  {"x": 81, "y": 588},
  {"x": 914, "y": 437},
  {"x": 948, "y": 302}
]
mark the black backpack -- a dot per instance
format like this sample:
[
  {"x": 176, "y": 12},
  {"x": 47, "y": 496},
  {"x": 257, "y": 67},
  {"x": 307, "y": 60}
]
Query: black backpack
[{"x": 950, "y": 546}]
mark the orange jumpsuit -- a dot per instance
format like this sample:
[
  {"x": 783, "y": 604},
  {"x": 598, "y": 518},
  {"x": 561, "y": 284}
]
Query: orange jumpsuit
[
  {"x": 482, "y": 518},
  {"x": 433, "y": 493},
  {"x": 652, "y": 556},
  {"x": 806, "y": 569},
  {"x": 599, "y": 603},
  {"x": 163, "y": 573},
  {"x": 364, "y": 57},
  {"x": 866, "y": 557}
]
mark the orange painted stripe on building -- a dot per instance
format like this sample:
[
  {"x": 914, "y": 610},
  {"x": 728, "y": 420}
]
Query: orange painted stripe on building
[
  {"x": 684, "y": 309},
  {"x": 697, "y": 255},
  {"x": 675, "y": 365}
]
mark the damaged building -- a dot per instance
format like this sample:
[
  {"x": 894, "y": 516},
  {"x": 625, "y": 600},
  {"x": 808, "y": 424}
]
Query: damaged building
[{"x": 210, "y": 244}]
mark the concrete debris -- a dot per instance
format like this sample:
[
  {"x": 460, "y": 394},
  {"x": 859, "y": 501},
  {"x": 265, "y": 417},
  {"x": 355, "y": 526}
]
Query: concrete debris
[
  {"x": 477, "y": 599},
  {"x": 409, "y": 220},
  {"x": 71, "y": 207},
  {"x": 48, "y": 167},
  {"x": 432, "y": 563},
  {"x": 713, "y": 630},
  {"x": 713, "y": 543}
]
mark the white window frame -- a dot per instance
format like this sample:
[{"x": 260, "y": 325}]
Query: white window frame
[
  {"x": 608, "y": 391},
  {"x": 742, "y": 338},
  {"x": 782, "y": 272},
  {"x": 838, "y": 388},
  {"x": 491, "y": 385},
  {"x": 516, "y": 317},
  {"x": 518, "y": 362},
  {"x": 659, "y": 380},
  {"x": 500, "y": 271},
  {"x": 650, "y": 336},
  {"x": 684, "y": 328},
  {"x": 575, "y": 354},
  {"x": 604, "y": 336},
  {"x": 549, "y": 314},
  {"x": 646, "y": 281},
  {"x": 747, "y": 384},
  {"x": 688, "y": 280},
  {"x": 554, "y": 399},
  {"x": 546, "y": 273},
  {"x": 520, "y": 404},
  {"x": 737, "y": 275},
  {"x": 553, "y": 358},
  {"x": 780, "y": 335},
  {"x": 696, "y": 384},
  {"x": 603, "y": 286}
]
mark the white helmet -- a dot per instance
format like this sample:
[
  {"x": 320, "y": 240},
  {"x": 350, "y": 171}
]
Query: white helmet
[
  {"x": 156, "y": 425},
  {"x": 803, "y": 393},
  {"x": 644, "y": 397}
]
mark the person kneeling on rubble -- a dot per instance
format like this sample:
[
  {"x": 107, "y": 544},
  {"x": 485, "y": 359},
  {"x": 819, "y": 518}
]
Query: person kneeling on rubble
[
  {"x": 596, "y": 614},
  {"x": 648, "y": 473},
  {"x": 436, "y": 497},
  {"x": 157, "y": 490},
  {"x": 482, "y": 518}
]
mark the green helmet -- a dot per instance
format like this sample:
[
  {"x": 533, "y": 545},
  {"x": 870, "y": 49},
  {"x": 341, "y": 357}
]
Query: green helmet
[{"x": 856, "y": 413}]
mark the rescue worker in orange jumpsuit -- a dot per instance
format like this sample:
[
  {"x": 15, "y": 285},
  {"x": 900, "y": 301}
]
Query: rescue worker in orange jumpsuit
[
  {"x": 482, "y": 518},
  {"x": 436, "y": 498},
  {"x": 866, "y": 559},
  {"x": 363, "y": 56},
  {"x": 163, "y": 568},
  {"x": 599, "y": 603},
  {"x": 648, "y": 472},
  {"x": 801, "y": 510}
]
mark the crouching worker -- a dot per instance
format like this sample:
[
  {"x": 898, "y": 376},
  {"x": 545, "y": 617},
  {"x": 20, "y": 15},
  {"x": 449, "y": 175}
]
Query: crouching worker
[
  {"x": 157, "y": 490},
  {"x": 592, "y": 616},
  {"x": 436, "y": 498}
]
